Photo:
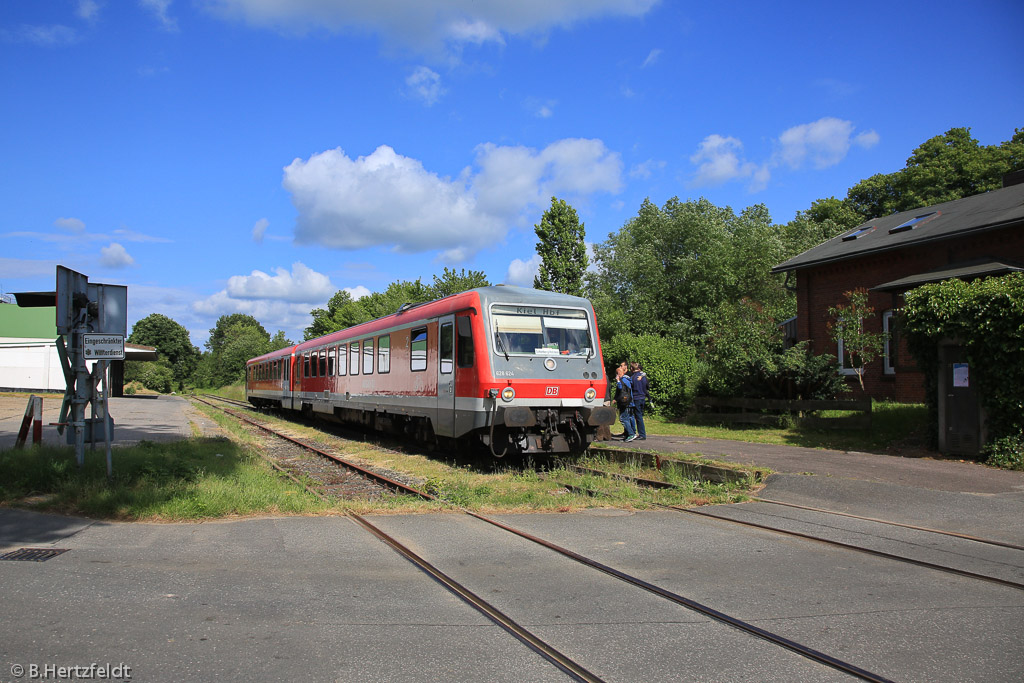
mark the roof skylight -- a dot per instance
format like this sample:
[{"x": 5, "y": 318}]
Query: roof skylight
[
  {"x": 859, "y": 232},
  {"x": 914, "y": 222}
]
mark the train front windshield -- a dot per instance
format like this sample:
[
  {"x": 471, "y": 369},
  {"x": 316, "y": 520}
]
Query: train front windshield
[{"x": 537, "y": 331}]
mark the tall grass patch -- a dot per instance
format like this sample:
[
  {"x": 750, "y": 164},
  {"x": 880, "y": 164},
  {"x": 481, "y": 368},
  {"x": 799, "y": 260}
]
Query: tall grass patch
[{"x": 196, "y": 478}]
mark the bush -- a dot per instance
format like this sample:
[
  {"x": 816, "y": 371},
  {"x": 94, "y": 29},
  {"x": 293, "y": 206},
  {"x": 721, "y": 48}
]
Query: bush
[
  {"x": 154, "y": 375},
  {"x": 988, "y": 317},
  {"x": 671, "y": 368},
  {"x": 1006, "y": 452}
]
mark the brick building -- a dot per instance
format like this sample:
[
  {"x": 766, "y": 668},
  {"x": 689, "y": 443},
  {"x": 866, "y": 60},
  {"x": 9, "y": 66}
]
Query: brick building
[{"x": 968, "y": 238}]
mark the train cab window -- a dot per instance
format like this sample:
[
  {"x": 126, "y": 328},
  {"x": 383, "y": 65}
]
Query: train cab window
[
  {"x": 342, "y": 360},
  {"x": 445, "y": 348},
  {"x": 305, "y": 365},
  {"x": 384, "y": 354},
  {"x": 323, "y": 362},
  {"x": 418, "y": 349},
  {"x": 464, "y": 341},
  {"x": 354, "y": 357},
  {"x": 368, "y": 356}
]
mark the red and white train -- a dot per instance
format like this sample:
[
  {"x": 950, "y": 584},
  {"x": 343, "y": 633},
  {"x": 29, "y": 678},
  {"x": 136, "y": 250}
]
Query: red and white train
[{"x": 517, "y": 370}]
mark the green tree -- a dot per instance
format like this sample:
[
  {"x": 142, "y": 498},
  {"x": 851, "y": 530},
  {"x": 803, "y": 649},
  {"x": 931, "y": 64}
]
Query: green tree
[
  {"x": 451, "y": 282},
  {"x": 218, "y": 333},
  {"x": 562, "y": 249},
  {"x": 171, "y": 341},
  {"x": 847, "y": 327},
  {"x": 279, "y": 341},
  {"x": 242, "y": 341}
]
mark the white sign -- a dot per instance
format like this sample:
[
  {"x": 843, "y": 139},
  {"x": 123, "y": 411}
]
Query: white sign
[
  {"x": 961, "y": 375},
  {"x": 103, "y": 346}
]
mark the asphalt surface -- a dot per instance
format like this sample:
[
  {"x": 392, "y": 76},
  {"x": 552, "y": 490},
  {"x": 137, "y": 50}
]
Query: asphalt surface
[{"x": 321, "y": 599}]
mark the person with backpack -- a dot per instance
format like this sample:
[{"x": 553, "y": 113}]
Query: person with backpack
[
  {"x": 638, "y": 379},
  {"x": 624, "y": 401}
]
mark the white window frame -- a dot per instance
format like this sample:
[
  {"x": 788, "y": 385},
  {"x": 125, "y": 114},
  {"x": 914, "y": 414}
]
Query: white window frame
[{"x": 889, "y": 349}]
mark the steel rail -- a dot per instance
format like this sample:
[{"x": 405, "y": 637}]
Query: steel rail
[
  {"x": 966, "y": 537},
  {"x": 562, "y": 661},
  {"x": 849, "y": 546},
  {"x": 793, "y": 646},
  {"x": 369, "y": 474}
]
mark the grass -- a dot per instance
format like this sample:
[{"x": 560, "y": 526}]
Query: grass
[
  {"x": 895, "y": 428},
  {"x": 235, "y": 391},
  {"x": 205, "y": 478}
]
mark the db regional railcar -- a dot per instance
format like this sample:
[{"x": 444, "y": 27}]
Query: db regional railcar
[{"x": 516, "y": 370}]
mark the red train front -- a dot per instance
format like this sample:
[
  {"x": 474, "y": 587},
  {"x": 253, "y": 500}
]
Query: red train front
[{"x": 517, "y": 370}]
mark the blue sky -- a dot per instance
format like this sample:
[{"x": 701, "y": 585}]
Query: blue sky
[{"x": 255, "y": 156}]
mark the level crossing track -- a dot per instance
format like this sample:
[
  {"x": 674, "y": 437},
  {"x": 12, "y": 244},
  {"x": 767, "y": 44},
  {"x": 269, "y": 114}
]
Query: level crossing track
[
  {"x": 564, "y": 663},
  {"x": 1012, "y": 559}
]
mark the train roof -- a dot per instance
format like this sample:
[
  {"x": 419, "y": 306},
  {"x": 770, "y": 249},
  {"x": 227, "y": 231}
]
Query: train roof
[{"x": 431, "y": 309}]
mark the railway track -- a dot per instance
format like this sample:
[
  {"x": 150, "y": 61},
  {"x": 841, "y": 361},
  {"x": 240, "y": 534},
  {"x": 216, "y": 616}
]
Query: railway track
[
  {"x": 572, "y": 668},
  {"x": 1004, "y": 564}
]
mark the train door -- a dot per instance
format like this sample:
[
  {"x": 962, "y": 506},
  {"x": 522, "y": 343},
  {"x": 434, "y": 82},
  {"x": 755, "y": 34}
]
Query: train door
[{"x": 444, "y": 425}]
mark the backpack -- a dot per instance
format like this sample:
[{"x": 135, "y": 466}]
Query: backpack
[{"x": 623, "y": 396}]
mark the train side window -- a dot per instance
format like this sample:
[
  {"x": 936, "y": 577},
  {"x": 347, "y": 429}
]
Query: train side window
[
  {"x": 323, "y": 362},
  {"x": 305, "y": 365},
  {"x": 331, "y": 353},
  {"x": 354, "y": 357},
  {"x": 464, "y": 343},
  {"x": 384, "y": 354},
  {"x": 418, "y": 349},
  {"x": 368, "y": 356},
  {"x": 445, "y": 348},
  {"x": 342, "y": 360}
]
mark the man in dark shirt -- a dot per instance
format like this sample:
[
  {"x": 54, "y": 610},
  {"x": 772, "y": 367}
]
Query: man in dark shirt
[
  {"x": 639, "y": 382},
  {"x": 624, "y": 401}
]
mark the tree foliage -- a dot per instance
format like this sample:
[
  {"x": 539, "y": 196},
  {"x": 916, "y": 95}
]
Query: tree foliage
[
  {"x": 562, "y": 248},
  {"x": 668, "y": 269},
  {"x": 451, "y": 282},
  {"x": 171, "y": 341},
  {"x": 988, "y": 316},
  {"x": 860, "y": 347},
  {"x": 671, "y": 367}
]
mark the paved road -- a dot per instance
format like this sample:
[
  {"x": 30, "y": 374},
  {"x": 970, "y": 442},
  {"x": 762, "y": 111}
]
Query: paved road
[{"x": 320, "y": 599}]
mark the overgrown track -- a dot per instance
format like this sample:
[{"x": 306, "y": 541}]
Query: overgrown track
[{"x": 573, "y": 669}]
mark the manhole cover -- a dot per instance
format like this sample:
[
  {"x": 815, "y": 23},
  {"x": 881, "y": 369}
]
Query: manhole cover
[{"x": 33, "y": 554}]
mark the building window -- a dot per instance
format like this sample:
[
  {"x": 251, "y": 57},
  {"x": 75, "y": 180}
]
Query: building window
[
  {"x": 418, "y": 350},
  {"x": 384, "y": 354},
  {"x": 892, "y": 343}
]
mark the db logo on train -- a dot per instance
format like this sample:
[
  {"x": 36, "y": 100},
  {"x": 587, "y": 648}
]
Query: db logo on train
[{"x": 551, "y": 391}]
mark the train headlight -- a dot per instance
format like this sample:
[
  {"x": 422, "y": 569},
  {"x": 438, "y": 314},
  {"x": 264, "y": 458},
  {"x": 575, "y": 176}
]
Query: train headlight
[
  {"x": 591, "y": 394},
  {"x": 507, "y": 394}
]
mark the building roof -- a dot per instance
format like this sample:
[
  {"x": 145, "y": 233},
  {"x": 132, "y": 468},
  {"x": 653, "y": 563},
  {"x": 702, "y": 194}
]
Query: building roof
[
  {"x": 28, "y": 323},
  {"x": 963, "y": 271},
  {"x": 995, "y": 209}
]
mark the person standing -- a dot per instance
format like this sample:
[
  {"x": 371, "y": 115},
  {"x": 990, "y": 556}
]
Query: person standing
[
  {"x": 624, "y": 400},
  {"x": 638, "y": 379}
]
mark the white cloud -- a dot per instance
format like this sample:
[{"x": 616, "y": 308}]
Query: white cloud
[
  {"x": 826, "y": 141},
  {"x": 259, "y": 230},
  {"x": 271, "y": 314},
  {"x": 822, "y": 144},
  {"x": 70, "y": 224},
  {"x": 719, "y": 161},
  {"x": 646, "y": 169},
  {"x": 652, "y": 57},
  {"x": 867, "y": 139},
  {"x": 357, "y": 292},
  {"x": 44, "y": 36},
  {"x": 521, "y": 273},
  {"x": 87, "y": 9},
  {"x": 115, "y": 256},
  {"x": 301, "y": 285},
  {"x": 159, "y": 9},
  {"x": 425, "y": 84},
  {"x": 427, "y": 26},
  {"x": 388, "y": 199}
]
